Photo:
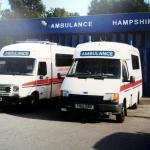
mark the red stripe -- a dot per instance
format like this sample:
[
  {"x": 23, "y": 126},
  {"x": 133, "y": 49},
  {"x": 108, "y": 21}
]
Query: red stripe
[
  {"x": 129, "y": 85},
  {"x": 42, "y": 82}
]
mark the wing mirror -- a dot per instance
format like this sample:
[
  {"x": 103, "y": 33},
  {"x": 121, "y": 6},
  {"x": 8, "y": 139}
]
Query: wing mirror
[
  {"x": 61, "y": 76},
  {"x": 132, "y": 79}
]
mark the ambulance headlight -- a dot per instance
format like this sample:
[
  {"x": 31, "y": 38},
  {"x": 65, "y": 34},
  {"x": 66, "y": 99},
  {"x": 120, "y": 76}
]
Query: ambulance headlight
[
  {"x": 65, "y": 93},
  {"x": 15, "y": 88},
  {"x": 111, "y": 96}
]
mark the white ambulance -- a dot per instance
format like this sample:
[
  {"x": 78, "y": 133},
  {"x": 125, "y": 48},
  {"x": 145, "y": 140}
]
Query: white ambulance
[
  {"x": 105, "y": 77},
  {"x": 30, "y": 71}
]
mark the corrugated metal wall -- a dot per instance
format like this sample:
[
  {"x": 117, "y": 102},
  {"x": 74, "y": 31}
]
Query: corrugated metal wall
[{"x": 141, "y": 40}]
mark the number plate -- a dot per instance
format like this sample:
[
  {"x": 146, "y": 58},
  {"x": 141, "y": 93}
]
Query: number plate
[{"x": 84, "y": 106}]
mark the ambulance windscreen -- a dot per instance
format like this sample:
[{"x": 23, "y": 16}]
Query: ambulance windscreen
[
  {"x": 95, "y": 68},
  {"x": 16, "y": 66}
]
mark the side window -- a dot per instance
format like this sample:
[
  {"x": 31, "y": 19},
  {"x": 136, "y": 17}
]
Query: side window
[
  {"x": 63, "y": 60},
  {"x": 42, "y": 68},
  {"x": 135, "y": 62},
  {"x": 125, "y": 73}
]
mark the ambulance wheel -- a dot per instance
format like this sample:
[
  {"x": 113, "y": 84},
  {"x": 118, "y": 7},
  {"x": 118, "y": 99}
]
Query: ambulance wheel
[
  {"x": 125, "y": 108},
  {"x": 3, "y": 106},
  {"x": 2, "y": 110},
  {"x": 121, "y": 117},
  {"x": 34, "y": 99},
  {"x": 138, "y": 99}
]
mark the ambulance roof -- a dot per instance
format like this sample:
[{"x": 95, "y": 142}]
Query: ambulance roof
[
  {"x": 110, "y": 50},
  {"x": 34, "y": 50}
]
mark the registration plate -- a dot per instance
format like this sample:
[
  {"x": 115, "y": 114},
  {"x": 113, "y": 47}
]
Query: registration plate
[{"x": 84, "y": 106}]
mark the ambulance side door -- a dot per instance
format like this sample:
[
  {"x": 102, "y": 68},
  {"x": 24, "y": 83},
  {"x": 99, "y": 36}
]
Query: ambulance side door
[
  {"x": 44, "y": 79},
  {"x": 126, "y": 82},
  {"x": 61, "y": 65}
]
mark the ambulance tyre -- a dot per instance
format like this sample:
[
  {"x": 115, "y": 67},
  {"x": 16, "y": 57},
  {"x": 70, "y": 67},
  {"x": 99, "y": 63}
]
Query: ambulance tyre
[
  {"x": 121, "y": 117},
  {"x": 4, "y": 106},
  {"x": 138, "y": 99},
  {"x": 125, "y": 108},
  {"x": 34, "y": 99},
  {"x": 1, "y": 109}
]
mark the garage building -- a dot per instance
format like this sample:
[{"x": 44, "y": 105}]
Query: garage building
[{"x": 133, "y": 28}]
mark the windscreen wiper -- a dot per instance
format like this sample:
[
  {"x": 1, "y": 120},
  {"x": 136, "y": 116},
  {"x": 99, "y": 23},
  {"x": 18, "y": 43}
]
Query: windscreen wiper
[
  {"x": 83, "y": 75},
  {"x": 102, "y": 76},
  {"x": 99, "y": 77}
]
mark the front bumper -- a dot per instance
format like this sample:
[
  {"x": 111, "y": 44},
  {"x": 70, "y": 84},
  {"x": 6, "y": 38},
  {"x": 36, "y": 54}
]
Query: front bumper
[
  {"x": 99, "y": 105},
  {"x": 13, "y": 100}
]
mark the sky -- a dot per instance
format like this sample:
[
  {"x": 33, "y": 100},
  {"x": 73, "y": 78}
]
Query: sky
[{"x": 80, "y": 6}]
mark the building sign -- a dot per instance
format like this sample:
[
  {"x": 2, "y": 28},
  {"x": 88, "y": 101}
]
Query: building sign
[
  {"x": 101, "y": 23},
  {"x": 82, "y": 24},
  {"x": 71, "y": 25},
  {"x": 130, "y": 22}
]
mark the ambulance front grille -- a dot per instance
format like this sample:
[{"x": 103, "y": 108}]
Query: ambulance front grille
[
  {"x": 87, "y": 99},
  {"x": 5, "y": 90}
]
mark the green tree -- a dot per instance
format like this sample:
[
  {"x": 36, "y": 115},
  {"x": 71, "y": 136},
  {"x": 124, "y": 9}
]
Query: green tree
[
  {"x": 74, "y": 14},
  {"x": 6, "y": 14},
  {"x": 59, "y": 12},
  {"x": 117, "y": 6},
  {"x": 27, "y": 8}
]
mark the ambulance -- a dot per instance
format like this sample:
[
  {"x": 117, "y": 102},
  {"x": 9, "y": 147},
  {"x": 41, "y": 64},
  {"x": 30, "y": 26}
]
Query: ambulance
[
  {"x": 31, "y": 71},
  {"x": 105, "y": 77}
]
